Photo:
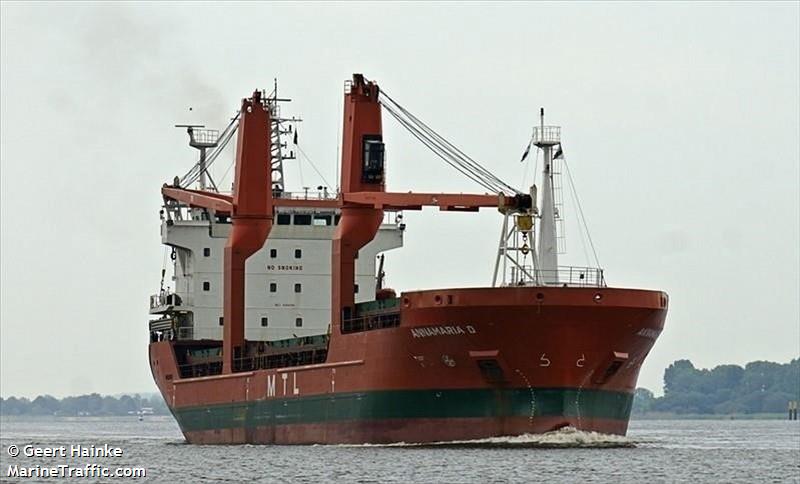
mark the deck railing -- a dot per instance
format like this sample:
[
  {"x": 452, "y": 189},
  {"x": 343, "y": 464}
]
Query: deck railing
[
  {"x": 568, "y": 276},
  {"x": 370, "y": 322},
  {"x": 164, "y": 298},
  {"x": 304, "y": 356}
]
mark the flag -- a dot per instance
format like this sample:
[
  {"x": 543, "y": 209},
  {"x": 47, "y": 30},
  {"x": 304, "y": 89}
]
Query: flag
[
  {"x": 559, "y": 153},
  {"x": 527, "y": 150}
]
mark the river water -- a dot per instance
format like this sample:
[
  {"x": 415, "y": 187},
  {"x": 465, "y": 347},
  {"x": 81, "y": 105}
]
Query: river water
[{"x": 654, "y": 451}]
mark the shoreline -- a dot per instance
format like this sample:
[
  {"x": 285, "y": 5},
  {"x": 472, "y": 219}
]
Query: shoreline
[
  {"x": 646, "y": 416},
  {"x": 709, "y": 416}
]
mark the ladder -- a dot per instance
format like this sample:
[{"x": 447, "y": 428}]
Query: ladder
[{"x": 556, "y": 167}]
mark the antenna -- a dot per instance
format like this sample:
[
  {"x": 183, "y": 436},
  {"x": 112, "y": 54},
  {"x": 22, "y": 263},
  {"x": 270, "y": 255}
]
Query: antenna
[{"x": 280, "y": 126}]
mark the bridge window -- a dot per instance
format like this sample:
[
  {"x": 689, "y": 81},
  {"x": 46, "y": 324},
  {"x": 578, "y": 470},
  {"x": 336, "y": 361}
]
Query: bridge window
[
  {"x": 206, "y": 252},
  {"x": 302, "y": 219},
  {"x": 336, "y": 219},
  {"x": 298, "y": 322},
  {"x": 273, "y": 287},
  {"x": 298, "y": 253},
  {"x": 298, "y": 287},
  {"x": 322, "y": 220},
  {"x": 284, "y": 219},
  {"x": 221, "y": 321},
  {"x": 206, "y": 286},
  {"x": 372, "y": 169},
  {"x": 355, "y": 288},
  {"x": 264, "y": 322},
  {"x": 273, "y": 253}
]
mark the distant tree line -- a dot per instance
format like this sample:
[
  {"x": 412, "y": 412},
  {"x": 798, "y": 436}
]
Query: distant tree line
[
  {"x": 759, "y": 387},
  {"x": 84, "y": 405}
]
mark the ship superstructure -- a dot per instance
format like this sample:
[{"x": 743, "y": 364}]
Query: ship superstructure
[
  {"x": 280, "y": 329},
  {"x": 288, "y": 280}
]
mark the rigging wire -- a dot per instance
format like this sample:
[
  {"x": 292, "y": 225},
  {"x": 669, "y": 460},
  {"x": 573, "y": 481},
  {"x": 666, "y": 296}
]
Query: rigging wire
[
  {"x": 525, "y": 170},
  {"x": 455, "y": 155},
  {"x": 436, "y": 151},
  {"x": 535, "y": 167},
  {"x": 580, "y": 211},
  {"x": 225, "y": 175},
  {"x": 194, "y": 173},
  {"x": 452, "y": 150},
  {"x": 445, "y": 150},
  {"x": 312, "y": 164},
  {"x": 300, "y": 169},
  {"x": 338, "y": 159},
  {"x": 164, "y": 267},
  {"x": 469, "y": 161},
  {"x": 581, "y": 227},
  {"x": 223, "y": 142}
]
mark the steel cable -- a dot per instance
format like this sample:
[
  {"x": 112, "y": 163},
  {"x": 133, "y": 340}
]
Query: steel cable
[{"x": 445, "y": 150}]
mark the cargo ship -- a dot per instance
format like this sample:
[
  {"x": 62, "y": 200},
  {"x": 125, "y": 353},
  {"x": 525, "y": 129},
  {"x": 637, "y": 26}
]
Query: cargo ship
[{"x": 277, "y": 326}]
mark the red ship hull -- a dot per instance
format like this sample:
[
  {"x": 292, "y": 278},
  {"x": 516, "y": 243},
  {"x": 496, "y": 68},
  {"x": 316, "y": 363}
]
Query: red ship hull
[{"x": 462, "y": 364}]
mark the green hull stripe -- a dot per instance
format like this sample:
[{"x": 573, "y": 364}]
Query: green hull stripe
[{"x": 408, "y": 404}]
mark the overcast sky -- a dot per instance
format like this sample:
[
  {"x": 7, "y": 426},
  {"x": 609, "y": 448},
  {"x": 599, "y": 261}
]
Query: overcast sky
[{"x": 680, "y": 125}]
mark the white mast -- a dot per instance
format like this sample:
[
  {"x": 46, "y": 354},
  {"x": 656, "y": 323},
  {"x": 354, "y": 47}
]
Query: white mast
[
  {"x": 545, "y": 137},
  {"x": 202, "y": 139}
]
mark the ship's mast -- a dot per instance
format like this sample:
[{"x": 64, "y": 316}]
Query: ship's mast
[
  {"x": 517, "y": 255},
  {"x": 202, "y": 139},
  {"x": 280, "y": 126},
  {"x": 545, "y": 137}
]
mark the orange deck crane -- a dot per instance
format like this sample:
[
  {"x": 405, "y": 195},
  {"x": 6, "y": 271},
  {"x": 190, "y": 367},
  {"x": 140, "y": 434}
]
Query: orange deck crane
[{"x": 362, "y": 201}]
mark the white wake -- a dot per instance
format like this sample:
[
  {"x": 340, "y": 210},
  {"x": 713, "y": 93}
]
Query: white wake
[{"x": 567, "y": 437}]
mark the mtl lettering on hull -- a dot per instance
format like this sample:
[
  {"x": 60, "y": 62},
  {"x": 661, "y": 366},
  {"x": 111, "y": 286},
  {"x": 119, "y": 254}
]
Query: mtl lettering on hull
[
  {"x": 285, "y": 377},
  {"x": 457, "y": 330}
]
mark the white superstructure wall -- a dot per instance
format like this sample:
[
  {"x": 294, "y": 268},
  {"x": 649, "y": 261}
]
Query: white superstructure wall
[{"x": 288, "y": 281}]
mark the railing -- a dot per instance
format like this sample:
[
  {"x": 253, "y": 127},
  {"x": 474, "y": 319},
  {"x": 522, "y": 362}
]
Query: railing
[
  {"x": 164, "y": 298},
  {"x": 548, "y": 135},
  {"x": 157, "y": 300},
  {"x": 171, "y": 333},
  {"x": 205, "y": 136},
  {"x": 370, "y": 322},
  {"x": 178, "y": 212},
  {"x": 308, "y": 356},
  {"x": 323, "y": 194},
  {"x": 568, "y": 276},
  {"x": 194, "y": 370},
  {"x": 392, "y": 218}
]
